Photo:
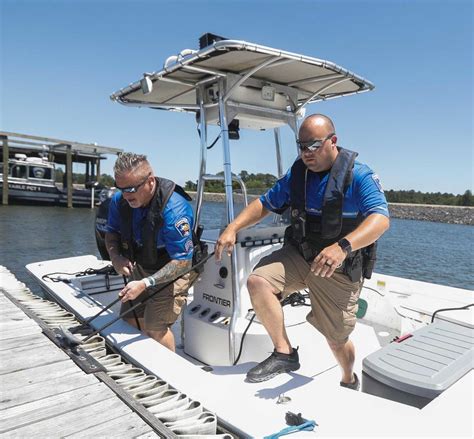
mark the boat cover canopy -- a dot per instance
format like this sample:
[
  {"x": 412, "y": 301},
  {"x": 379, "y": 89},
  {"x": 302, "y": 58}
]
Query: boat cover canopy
[{"x": 297, "y": 79}]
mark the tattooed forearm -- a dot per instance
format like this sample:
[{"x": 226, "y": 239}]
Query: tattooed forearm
[{"x": 171, "y": 271}]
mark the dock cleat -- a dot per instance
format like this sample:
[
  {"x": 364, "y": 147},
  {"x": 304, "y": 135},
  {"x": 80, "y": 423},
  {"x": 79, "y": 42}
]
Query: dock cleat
[{"x": 275, "y": 364}]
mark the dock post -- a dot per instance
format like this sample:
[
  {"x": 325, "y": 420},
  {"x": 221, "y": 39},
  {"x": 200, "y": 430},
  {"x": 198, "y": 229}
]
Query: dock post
[
  {"x": 69, "y": 175},
  {"x": 88, "y": 177},
  {"x": 4, "y": 140},
  {"x": 97, "y": 170}
]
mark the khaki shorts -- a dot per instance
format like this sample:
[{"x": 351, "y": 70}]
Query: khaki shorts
[
  {"x": 333, "y": 299},
  {"x": 162, "y": 310}
]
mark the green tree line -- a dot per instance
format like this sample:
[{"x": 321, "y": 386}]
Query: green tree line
[
  {"x": 104, "y": 179},
  {"x": 255, "y": 183},
  {"x": 417, "y": 197}
]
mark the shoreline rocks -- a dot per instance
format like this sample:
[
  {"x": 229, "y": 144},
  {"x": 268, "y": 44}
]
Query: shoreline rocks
[
  {"x": 420, "y": 212},
  {"x": 427, "y": 212}
]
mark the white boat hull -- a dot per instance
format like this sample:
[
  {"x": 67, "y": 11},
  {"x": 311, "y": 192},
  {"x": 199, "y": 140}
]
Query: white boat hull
[{"x": 314, "y": 390}]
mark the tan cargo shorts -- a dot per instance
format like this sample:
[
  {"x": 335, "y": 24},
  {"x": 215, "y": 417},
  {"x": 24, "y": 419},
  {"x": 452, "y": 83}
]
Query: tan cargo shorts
[
  {"x": 162, "y": 310},
  {"x": 333, "y": 299}
]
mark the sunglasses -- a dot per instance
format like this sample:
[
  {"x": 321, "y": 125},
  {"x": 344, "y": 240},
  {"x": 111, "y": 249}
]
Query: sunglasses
[
  {"x": 313, "y": 145},
  {"x": 132, "y": 189}
]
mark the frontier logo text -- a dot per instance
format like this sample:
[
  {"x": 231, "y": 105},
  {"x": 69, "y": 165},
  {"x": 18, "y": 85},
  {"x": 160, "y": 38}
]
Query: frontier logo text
[{"x": 215, "y": 299}]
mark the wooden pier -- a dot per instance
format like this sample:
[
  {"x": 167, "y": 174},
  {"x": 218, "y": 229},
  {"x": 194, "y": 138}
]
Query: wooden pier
[{"x": 43, "y": 393}]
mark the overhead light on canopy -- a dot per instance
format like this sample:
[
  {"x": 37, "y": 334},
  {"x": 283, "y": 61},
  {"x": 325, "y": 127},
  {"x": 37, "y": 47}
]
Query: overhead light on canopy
[{"x": 146, "y": 84}]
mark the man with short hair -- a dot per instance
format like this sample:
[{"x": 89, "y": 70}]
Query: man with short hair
[
  {"x": 149, "y": 240},
  {"x": 338, "y": 210}
]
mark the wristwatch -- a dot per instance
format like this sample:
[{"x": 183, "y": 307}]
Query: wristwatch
[
  {"x": 345, "y": 245},
  {"x": 149, "y": 282}
]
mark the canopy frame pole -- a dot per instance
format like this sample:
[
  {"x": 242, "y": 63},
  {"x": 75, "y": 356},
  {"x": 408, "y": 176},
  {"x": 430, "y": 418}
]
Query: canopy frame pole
[
  {"x": 321, "y": 90},
  {"x": 69, "y": 175},
  {"x": 4, "y": 140},
  {"x": 230, "y": 217},
  {"x": 203, "y": 157},
  {"x": 276, "y": 133},
  {"x": 249, "y": 74},
  {"x": 315, "y": 79}
]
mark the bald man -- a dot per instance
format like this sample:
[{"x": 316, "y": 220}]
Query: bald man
[{"x": 338, "y": 211}]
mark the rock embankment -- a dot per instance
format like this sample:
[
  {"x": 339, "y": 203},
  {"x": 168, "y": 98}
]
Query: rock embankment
[
  {"x": 420, "y": 212},
  {"x": 439, "y": 214}
]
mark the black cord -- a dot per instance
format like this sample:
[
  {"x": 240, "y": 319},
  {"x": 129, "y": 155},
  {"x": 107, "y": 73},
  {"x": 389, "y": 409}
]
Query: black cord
[
  {"x": 294, "y": 299},
  {"x": 213, "y": 143},
  {"x": 243, "y": 336},
  {"x": 450, "y": 309},
  {"x": 107, "y": 281},
  {"x": 107, "y": 270},
  {"x": 125, "y": 281},
  {"x": 195, "y": 267}
]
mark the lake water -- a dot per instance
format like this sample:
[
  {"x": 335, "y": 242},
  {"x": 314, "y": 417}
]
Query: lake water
[{"x": 420, "y": 250}]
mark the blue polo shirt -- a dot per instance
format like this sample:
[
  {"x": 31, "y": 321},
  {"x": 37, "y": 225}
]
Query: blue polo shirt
[
  {"x": 365, "y": 194},
  {"x": 174, "y": 235}
]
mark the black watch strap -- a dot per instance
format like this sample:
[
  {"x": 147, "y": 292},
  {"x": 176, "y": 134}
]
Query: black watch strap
[{"x": 345, "y": 245}]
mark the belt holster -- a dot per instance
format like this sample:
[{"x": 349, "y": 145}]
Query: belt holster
[
  {"x": 298, "y": 225},
  {"x": 353, "y": 266},
  {"x": 306, "y": 251},
  {"x": 368, "y": 258},
  {"x": 296, "y": 235}
]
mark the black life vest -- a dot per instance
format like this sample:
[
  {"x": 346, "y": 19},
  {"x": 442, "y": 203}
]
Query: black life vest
[
  {"x": 148, "y": 255},
  {"x": 312, "y": 233},
  {"x": 330, "y": 226}
]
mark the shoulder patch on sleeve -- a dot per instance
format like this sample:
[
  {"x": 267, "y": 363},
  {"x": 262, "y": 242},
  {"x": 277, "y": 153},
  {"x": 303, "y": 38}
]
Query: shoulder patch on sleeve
[
  {"x": 183, "y": 227},
  {"x": 376, "y": 179}
]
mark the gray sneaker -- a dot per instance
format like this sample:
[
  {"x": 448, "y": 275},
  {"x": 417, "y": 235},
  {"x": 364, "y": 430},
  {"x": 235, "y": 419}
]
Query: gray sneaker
[
  {"x": 353, "y": 386},
  {"x": 275, "y": 364}
]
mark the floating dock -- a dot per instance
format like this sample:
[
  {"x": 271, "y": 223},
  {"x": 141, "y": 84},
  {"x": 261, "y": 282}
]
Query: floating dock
[
  {"x": 45, "y": 394},
  {"x": 52, "y": 387}
]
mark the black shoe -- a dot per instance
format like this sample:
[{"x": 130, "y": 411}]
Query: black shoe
[
  {"x": 353, "y": 386},
  {"x": 275, "y": 364}
]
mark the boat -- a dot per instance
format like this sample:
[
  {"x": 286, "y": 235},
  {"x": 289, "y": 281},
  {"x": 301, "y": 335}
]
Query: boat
[
  {"x": 414, "y": 340},
  {"x": 31, "y": 180}
]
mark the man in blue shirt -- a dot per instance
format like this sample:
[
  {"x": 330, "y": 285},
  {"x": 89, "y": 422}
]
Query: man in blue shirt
[
  {"x": 338, "y": 210},
  {"x": 149, "y": 240}
]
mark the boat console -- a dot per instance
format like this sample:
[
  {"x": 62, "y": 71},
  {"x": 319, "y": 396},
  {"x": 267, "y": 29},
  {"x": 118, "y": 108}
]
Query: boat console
[{"x": 207, "y": 318}]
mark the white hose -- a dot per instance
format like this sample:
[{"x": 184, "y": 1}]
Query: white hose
[
  {"x": 190, "y": 409},
  {"x": 180, "y": 400},
  {"x": 204, "y": 423}
]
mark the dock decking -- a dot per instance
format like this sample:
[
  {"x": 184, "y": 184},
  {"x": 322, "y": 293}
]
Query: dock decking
[{"x": 43, "y": 393}]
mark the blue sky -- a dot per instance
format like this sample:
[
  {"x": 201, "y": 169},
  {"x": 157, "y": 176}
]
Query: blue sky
[{"x": 61, "y": 60}]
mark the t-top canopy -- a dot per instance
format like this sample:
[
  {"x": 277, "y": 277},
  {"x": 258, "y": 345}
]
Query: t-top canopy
[{"x": 254, "y": 75}]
